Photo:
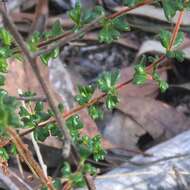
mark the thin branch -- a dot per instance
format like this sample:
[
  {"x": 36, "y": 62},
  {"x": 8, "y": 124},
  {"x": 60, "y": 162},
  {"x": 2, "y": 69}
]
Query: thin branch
[
  {"x": 176, "y": 30},
  {"x": 128, "y": 9},
  {"x": 20, "y": 166},
  {"x": 69, "y": 38},
  {"x": 40, "y": 17},
  {"x": 38, "y": 153}
]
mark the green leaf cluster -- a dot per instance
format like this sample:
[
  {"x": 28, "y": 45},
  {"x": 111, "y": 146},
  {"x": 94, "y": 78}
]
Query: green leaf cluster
[
  {"x": 112, "y": 28},
  {"x": 91, "y": 146},
  {"x": 106, "y": 83},
  {"x": 56, "y": 30},
  {"x": 81, "y": 16},
  {"x": 74, "y": 124},
  {"x": 5, "y": 37},
  {"x": 165, "y": 37},
  {"x": 85, "y": 94},
  {"x": 34, "y": 41},
  {"x": 77, "y": 178},
  {"x": 162, "y": 83},
  {"x": 140, "y": 75},
  {"x": 8, "y": 112},
  {"x": 95, "y": 112},
  {"x": 41, "y": 133},
  {"x": 5, "y": 53},
  {"x": 31, "y": 120},
  {"x": 172, "y": 6},
  {"x": 4, "y": 154}
]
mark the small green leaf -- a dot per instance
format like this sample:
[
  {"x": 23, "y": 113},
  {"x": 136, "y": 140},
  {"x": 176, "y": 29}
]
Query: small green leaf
[
  {"x": 75, "y": 14},
  {"x": 163, "y": 86},
  {"x": 98, "y": 152},
  {"x": 54, "y": 130},
  {"x": 165, "y": 37},
  {"x": 51, "y": 55},
  {"x": 140, "y": 79},
  {"x": 4, "y": 154},
  {"x": 2, "y": 80},
  {"x": 107, "y": 80},
  {"x": 121, "y": 24},
  {"x": 5, "y": 52},
  {"x": 89, "y": 15},
  {"x": 55, "y": 53},
  {"x": 14, "y": 149},
  {"x": 77, "y": 180},
  {"x": 8, "y": 112},
  {"x": 108, "y": 33},
  {"x": 74, "y": 122},
  {"x": 111, "y": 101},
  {"x": 34, "y": 41},
  {"x": 179, "y": 40},
  {"x": 5, "y": 36},
  {"x": 41, "y": 134},
  {"x": 45, "y": 58},
  {"x": 180, "y": 56},
  {"x": 39, "y": 107},
  {"x": 61, "y": 107},
  {"x": 56, "y": 28},
  {"x": 3, "y": 65},
  {"x": 66, "y": 169},
  {"x": 176, "y": 54},
  {"x": 88, "y": 168},
  {"x": 85, "y": 94},
  {"x": 95, "y": 112},
  {"x": 23, "y": 112},
  {"x": 140, "y": 75},
  {"x": 169, "y": 8}
]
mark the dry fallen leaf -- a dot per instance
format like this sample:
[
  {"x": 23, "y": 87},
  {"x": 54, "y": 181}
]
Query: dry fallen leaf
[{"x": 140, "y": 117}]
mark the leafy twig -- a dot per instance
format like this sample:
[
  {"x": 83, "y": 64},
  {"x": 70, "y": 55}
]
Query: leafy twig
[
  {"x": 126, "y": 10},
  {"x": 119, "y": 86},
  {"x": 70, "y": 36},
  {"x": 50, "y": 97}
]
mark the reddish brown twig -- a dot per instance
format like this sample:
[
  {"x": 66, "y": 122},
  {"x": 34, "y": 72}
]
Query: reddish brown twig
[
  {"x": 119, "y": 86},
  {"x": 69, "y": 36},
  {"x": 128, "y": 9}
]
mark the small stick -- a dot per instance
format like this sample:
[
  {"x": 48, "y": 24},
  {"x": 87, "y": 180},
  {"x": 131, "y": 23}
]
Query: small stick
[{"x": 38, "y": 153}]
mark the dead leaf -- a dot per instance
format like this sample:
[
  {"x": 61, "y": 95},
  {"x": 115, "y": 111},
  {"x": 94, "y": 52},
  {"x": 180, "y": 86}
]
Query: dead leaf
[{"x": 144, "y": 117}]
